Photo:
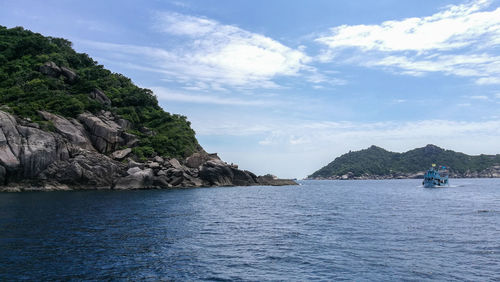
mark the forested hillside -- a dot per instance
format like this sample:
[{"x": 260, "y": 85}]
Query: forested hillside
[
  {"x": 29, "y": 82},
  {"x": 376, "y": 161}
]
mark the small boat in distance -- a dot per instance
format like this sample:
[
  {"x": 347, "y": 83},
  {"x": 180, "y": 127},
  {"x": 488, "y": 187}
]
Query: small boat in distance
[{"x": 436, "y": 177}]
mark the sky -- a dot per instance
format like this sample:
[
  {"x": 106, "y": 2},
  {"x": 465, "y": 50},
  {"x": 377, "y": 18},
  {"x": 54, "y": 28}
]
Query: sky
[{"x": 284, "y": 87}]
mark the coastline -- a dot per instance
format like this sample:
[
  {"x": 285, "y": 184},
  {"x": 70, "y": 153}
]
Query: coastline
[
  {"x": 96, "y": 152},
  {"x": 378, "y": 177},
  {"x": 23, "y": 187},
  {"x": 491, "y": 172}
]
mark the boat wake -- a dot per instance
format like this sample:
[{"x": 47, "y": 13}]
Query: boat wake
[{"x": 447, "y": 186}]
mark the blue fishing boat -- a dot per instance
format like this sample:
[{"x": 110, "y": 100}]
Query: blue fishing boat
[{"x": 436, "y": 177}]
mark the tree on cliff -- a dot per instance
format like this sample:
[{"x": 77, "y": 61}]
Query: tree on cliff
[
  {"x": 26, "y": 90},
  {"x": 375, "y": 161}
]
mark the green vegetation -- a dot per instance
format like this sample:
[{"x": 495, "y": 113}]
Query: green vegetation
[
  {"x": 377, "y": 161},
  {"x": 26, "y": 90}
]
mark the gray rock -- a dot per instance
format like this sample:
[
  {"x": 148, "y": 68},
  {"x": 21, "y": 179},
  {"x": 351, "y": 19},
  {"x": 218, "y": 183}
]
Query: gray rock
[
  {"x": 50, "y": 69},
  {"x": 193, "y": 172},
  {"x": 176, "y": 180},
  {"x": 40, "y": 149},
  {"x": 8, "y": 127},
  {"x": 129, "y": 140},
  {"x": 159, "y": 159},
  {"x": 66, "y": 159},
  {"x": 161, "y": 182},
  {"x": 175, "y": 163},
  {"x": 140, "y": 180},
  {"x": 190, "y": 181},
  {"x": 88, "y": 169},
  {"x": 100, "y": 97},
  {"x": 121, "y": 154},
  {"x": 70, "y": 74},
  {"x": 242, "y": 178},
  {"x": 133, "y": 170},
  {"x": 3, "y": 173},
  {"x": 132, "y": 163},
  {"x": 28, "y": 149},
  {"x": 104, "y": 133},
  {"x": 271, "y": 180},
  {"x": 153, "y": 165},
  {"x": 7, "y": 157},
  {"x": 35, "y": 125},
  {"x": 196, "y": 160},
  {"x": 199, "y": 158},
  {"x": 174, "y": 172},
  {"x": 125, "y": 124},
  {"x": 216, "y": 174},
  {"x": 213, "y": 156},
  {"x": 73, "y": 131}
]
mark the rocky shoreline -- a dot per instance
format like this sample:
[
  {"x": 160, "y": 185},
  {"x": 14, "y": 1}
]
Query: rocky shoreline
[
  {"x": 492, "y": 172},
  {"x": 94, "y": 151}
]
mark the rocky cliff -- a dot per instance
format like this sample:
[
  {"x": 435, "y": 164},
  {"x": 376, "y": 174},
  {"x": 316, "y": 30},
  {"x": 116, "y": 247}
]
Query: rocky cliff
[
  {"x": 94, "y": 152},
  {"x": 68, "y": 123}
]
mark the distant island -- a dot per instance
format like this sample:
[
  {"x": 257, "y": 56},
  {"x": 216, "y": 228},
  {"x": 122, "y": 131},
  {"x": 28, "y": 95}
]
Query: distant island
[
  {"x": 68, "y": 123},
  {"x": 378, "y": 163}
]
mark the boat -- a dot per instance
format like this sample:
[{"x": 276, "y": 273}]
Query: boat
[{"x": 436, "y": 177}]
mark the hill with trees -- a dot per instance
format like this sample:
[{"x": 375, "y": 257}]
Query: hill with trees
[
  {"x": 375, "y": 162},
  {"x": 26, "y": 90},
  {"x": 66, "y": 122}
]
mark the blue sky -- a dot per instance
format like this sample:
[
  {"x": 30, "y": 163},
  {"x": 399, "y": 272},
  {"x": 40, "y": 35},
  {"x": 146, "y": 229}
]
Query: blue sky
[{"x": 286, "y": 86}]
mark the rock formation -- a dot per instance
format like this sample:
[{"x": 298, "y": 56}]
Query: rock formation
[
  {"x": 106, "y": 135},
  {"x": 89, "y": 153},
  {"x": 51, "y": 69},
  {"x": 100, "y": 97},
  {"x": 77, "y": 125}
]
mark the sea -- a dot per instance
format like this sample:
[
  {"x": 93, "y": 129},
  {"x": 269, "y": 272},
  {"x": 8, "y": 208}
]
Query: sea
[{"x": 357, "y": 230}]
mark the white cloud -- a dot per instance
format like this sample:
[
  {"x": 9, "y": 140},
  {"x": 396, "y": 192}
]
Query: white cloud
[
  {"x": 460, "y": 65},
  {"x": 205, "y": 52},
  {"x": 488, "y": 80},
  {"x": 457, "y": 26},
  {"x": 237, "y": 56},
  {"x": 179, "y": 24},
  {"x": 322, "y": 132},
  {"x": 321, "y": 79},
  {"x": 479, "y": 97},
  {"x": 459, "y": 40},
  {"x": 169, "y": 95},
  {"x": 180, "y": 4}
]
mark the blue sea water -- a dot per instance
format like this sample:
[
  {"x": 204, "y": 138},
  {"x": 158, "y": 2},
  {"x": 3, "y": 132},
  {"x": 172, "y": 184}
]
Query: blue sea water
[{"x": 321, "y": 230}]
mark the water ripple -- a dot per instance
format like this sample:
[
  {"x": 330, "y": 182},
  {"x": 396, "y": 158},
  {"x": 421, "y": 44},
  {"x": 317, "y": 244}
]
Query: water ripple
[{"x": 321, "y": 230}]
